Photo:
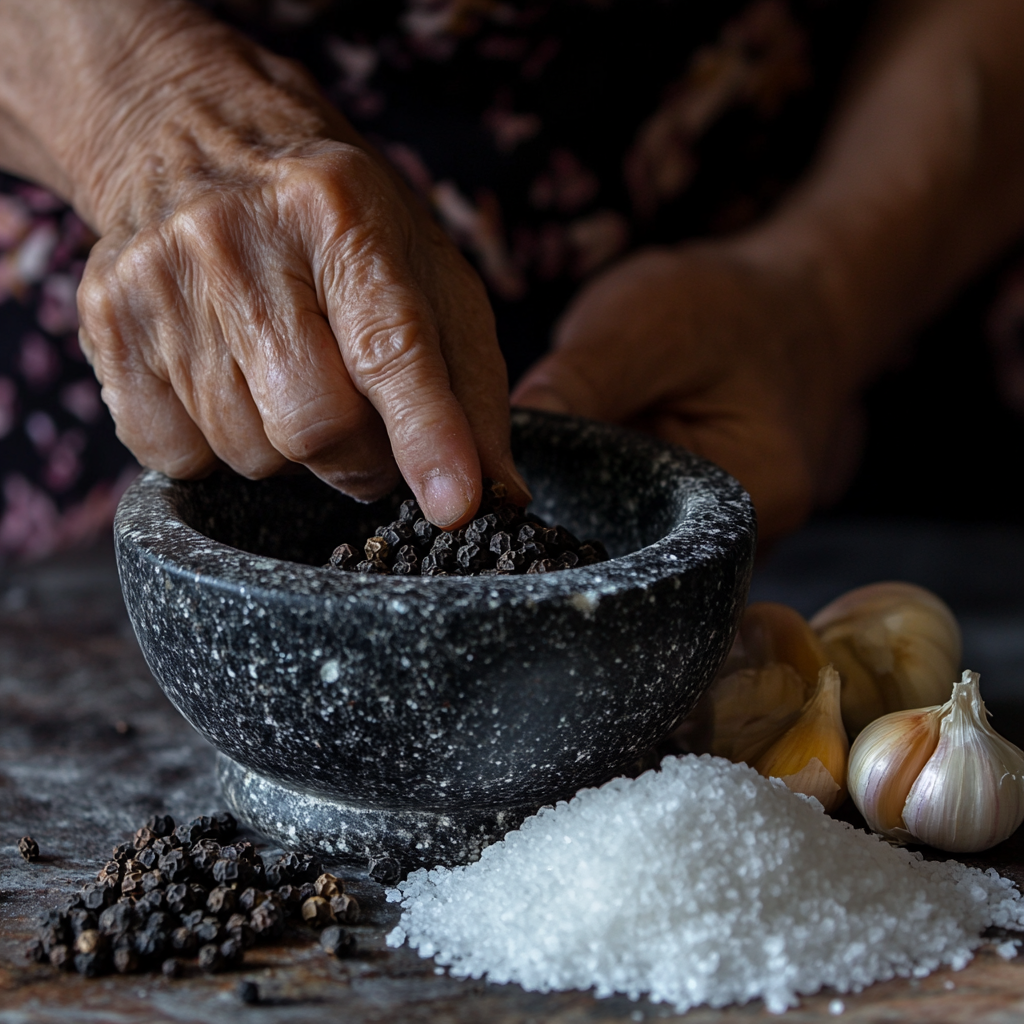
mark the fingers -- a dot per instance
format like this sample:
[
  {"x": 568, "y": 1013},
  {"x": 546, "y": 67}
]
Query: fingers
[
  {"x": 476, "y": 371},
  {"x": 390, "y": 344},
  {"x": 150, "y": 418},
  {"x": 610, "y": 344},
  {"x": 151, "y": 421}
]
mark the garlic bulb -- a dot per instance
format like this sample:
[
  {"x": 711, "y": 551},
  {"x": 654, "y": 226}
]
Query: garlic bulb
[
  {"x": 958, "y": 784},
  {"x": 767, "y": 678},
  {"x": 896, "y": 646},
  {"x": 810, "y": 756}
]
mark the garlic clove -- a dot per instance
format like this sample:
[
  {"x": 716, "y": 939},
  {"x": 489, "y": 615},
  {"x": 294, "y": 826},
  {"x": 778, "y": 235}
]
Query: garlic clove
[
  {"x": 770, "y": 673},
  {"x": 743, "y": 713},
  {"x": 970, "y": 793},
  {"x": 896, "y": 646},
  {"x": 817, "y": 734},
  {"x": 772, "y": 634},
  {"x": 885, "y": 760}
]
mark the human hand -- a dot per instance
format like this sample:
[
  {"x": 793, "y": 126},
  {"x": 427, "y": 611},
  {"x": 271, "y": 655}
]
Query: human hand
[
  {"x": 722, "y": 353},
  {"x": 266, "y": 290}
]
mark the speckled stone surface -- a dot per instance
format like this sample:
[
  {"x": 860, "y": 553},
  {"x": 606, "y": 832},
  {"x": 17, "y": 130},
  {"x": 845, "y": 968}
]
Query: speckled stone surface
[{"x": 458, "y": 704}]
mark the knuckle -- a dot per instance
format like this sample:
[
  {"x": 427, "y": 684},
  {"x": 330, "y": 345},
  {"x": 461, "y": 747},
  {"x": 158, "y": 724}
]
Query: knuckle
[
  {"x": 305, "y": 434},
  {"x": 385, "y": 349}
]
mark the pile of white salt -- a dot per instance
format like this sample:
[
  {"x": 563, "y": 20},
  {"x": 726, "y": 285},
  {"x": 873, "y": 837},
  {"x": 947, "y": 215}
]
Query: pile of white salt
[{"x": 699, "y": 883}]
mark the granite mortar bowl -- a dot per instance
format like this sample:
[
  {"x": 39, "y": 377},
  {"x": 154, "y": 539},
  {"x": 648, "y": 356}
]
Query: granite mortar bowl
[{"x": 411, "y": 720}]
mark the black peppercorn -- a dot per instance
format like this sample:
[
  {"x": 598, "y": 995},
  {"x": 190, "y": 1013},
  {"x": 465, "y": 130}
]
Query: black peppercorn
[
  {"x": 126, "y": 960},
  {"x": 179, "y": 898},
  {"x": 227, "y": 871},
  {"x": 92, "y": 965},
  {"x": 160, "y": 824},
  {"x": 225, "y": 824},
  {"x": 91, "y": 941},
  {"x": 96, "y": 896},
  {"x": 152, "y": 880},
  {"x": 193, "y": 917},
  {"x": 209, "y": 929},
  {"x": 81, "y": 920},
  {"x": 28, "y": 848},
  {"x": 122, "y": 852},
  {"x": 248, "y": 992},
  {"x": 232, "y": 953},
  {"x": 238, "y": 928},
  {"x": 222, "y": 901},
  {"x": 116, "y": 919},
  {"x": 344, "y": 556},
  {"x": 210, "y": 959},
  {"x": 147, "y": 858},
  {"x": 61, "y": 957},
  {"x": 291, "y": 898},
  {"x": 316, "y": 911},
  {"x": 337, "y": 941},
  {"x": 174, "y": 865},
  {"x": 384, "y": 869},
  {"x": 184, "y": 941},
  {"x": 267, "y": 920},
  {"x": 250, "y": 899},
  {"x": 188, "y": 833},
  {"x": 142, "y": 838},
  {"x": 346, "y": 908},
  {"x": 153, "y": 901},
  {"x": 328, "y": 885},
  {"x": 172, "y": 968}
]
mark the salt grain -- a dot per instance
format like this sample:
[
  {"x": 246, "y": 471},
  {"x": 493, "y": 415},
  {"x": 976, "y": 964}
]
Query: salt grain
[{"x": 701, "y": 883}]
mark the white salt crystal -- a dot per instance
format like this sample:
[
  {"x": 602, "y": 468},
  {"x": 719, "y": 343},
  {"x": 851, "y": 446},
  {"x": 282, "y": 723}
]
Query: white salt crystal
[
  {"x": 836, "y": 1007},
  {"x": 701, "y": 883}
]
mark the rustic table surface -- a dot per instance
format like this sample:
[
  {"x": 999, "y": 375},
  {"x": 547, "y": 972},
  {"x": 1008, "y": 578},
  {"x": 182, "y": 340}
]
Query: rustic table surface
[{"x": 89, "y": 748}]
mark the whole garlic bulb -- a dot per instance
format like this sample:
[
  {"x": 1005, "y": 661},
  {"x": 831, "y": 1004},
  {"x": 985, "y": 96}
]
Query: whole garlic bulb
[
  {"x": 810, "y": 756},
  {"x": 958, "y": 784},
  {"x": 769, "y": 675},
  {"x": 896, "y": 646}
]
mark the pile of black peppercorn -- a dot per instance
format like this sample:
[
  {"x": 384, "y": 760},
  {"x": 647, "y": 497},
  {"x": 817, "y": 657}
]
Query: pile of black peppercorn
[
  {"x": 502, "y": 540},
  {"x": 173, "y": 894}
]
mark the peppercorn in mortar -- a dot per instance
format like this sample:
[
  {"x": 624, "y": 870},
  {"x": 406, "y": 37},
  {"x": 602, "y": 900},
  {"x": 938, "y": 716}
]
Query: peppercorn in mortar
[{"x": 502, "y": 540}]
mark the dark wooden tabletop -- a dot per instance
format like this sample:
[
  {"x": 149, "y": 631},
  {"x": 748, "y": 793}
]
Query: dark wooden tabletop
[{"x": 89, "y": 748}]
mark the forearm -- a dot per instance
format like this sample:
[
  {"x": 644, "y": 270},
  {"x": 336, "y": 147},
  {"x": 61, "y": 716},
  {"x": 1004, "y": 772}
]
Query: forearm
[
  {"x": 921, "y": 180},
  {"x": 115, "y": 103}
]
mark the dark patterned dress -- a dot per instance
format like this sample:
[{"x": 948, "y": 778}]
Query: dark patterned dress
[{"x": 549, "y": 138}]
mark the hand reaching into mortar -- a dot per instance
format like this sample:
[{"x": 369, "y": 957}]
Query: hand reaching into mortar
[{"x": 265, "y": 289}]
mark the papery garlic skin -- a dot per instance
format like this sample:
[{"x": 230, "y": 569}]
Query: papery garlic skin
[
  {"x": 747, "y": 710},
  {"x": 810, "y": 756},
  {"x": 886, "y": 760},
  {"x": 897, "y": 646},
  {"x": 769, "y": 675},
  {"x": 970, "y": 793}
]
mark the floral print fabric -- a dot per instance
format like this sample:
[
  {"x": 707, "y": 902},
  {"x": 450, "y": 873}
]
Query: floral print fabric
[{"x": 548, "y": 137}]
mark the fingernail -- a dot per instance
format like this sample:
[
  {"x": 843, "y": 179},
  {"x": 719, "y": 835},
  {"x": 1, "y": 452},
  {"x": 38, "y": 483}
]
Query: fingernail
[
  {"x": 446, "y": 498},
  {"x": 541, "y": 398}
]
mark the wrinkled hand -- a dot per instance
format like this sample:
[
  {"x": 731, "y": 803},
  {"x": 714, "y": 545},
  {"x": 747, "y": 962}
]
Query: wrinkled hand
[
  {"x": 266, "y": 291},
  {"x": 719, "y": 353}
]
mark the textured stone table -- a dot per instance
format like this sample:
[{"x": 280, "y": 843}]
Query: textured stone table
[{"x": 89, "y": 748}]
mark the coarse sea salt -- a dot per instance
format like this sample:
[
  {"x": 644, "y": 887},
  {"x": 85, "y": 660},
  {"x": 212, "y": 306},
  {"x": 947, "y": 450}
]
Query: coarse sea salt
[{"x": 699, "y": 883}]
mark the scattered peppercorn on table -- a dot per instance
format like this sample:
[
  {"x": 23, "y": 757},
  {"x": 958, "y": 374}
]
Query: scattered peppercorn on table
[{"x": 90, "y": 749}]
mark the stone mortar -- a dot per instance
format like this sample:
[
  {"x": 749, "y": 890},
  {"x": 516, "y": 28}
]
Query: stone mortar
[{"x": 417, "y": 718}]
